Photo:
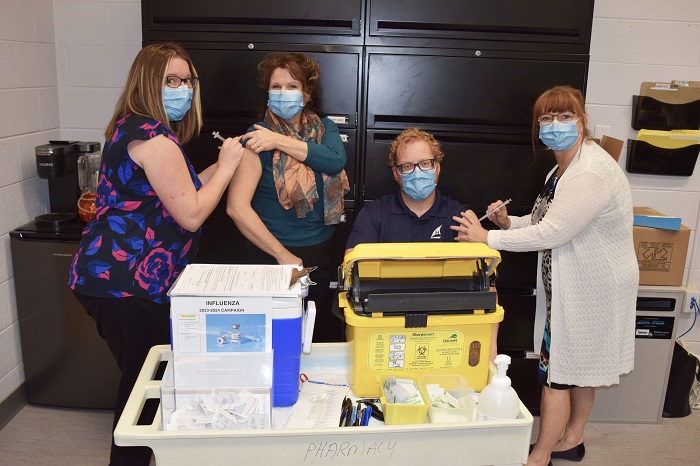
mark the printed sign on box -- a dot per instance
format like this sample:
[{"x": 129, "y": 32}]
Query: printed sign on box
[
  {"x": 654, "y": 256},
  {"x": 661, "y": 254},
  {"x": 221, "y": 324},
  {"x": 218, "y": 308}
]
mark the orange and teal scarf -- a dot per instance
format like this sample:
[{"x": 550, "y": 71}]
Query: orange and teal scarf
[{"x": 295, "y": 181}]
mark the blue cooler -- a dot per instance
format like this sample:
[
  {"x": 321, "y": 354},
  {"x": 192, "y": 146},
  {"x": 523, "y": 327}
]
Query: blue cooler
[
  {"x": 219, "y": 311},
  {"x": 290, "y": 335}
]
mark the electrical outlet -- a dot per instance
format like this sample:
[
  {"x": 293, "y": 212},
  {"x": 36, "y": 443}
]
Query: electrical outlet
[{"x": 690, "y": 295}]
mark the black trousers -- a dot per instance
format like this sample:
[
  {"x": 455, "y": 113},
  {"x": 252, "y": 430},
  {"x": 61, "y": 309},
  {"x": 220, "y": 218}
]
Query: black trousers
[
  {"x": 130, "y": 326},
  {"x": 328, "y": 327}
]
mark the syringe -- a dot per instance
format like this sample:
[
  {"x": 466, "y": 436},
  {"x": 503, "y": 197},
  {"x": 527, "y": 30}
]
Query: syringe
[{"x": 494, "y": 209}]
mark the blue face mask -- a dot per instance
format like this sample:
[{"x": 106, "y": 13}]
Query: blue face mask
[
  {"x": 177, "y": 101},
  {"x": 285, "y": 104},
  {"x": 559, "y": 136},
  {"x": 419, "y": 184}
]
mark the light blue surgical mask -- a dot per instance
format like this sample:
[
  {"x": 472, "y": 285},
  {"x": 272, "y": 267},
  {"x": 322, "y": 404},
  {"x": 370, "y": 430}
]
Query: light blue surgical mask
[
  {"x": 419, "y": 184},
  {"x": 559, "y": 136},
  {"x": 285, "y": 104},
  {"x": 177, "y": 101}
]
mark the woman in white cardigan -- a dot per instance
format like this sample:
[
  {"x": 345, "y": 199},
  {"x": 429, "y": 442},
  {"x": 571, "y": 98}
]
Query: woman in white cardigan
[{"x": 582, "y": 225}]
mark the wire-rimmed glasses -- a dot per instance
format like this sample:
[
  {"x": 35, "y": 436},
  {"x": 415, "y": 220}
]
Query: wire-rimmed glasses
[{"x": 563, "y": 117}]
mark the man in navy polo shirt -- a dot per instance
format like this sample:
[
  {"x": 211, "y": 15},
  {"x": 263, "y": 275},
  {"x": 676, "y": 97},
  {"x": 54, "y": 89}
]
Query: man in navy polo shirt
[{"x": 417, "y": 212}]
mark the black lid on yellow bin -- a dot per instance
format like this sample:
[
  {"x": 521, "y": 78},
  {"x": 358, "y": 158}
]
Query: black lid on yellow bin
[{"x": 420, "y": 279}]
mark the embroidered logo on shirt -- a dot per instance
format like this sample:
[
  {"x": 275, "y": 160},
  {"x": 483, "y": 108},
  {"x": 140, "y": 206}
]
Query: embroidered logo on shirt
[{"x": 437, "y": 234}]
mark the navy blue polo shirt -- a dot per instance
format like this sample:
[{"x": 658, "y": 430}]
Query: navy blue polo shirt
[{"x": 388, "y": 220}]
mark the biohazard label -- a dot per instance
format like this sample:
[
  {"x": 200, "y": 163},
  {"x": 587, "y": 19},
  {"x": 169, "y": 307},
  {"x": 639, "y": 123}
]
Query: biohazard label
[
  {"x": 417, "y": 349},
  {"x": 654, "y": 256}
]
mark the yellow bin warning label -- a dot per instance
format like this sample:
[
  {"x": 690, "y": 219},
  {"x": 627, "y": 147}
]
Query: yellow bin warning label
[{"x": 416, "y": 349}]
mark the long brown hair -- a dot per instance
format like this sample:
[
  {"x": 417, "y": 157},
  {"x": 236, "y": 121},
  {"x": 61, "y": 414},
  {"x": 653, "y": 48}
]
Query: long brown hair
[
  {"x": 556, "y": 100},
  {"x": 143, "y": 93},
  {"x": 302, "y": 68}
]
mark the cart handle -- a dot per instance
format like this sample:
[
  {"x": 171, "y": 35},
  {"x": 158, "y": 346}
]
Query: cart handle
[{"x": 127, "y": 432}]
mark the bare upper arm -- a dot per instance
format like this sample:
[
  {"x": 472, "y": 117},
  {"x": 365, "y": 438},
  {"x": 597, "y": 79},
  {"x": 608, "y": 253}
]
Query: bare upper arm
[{"x": 245, "y": 180}]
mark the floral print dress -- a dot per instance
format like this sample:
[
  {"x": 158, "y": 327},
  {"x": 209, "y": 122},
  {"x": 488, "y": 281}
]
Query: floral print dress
[
  {"x": 538, "y": 212},
  {"x": 133, "y": 247}
]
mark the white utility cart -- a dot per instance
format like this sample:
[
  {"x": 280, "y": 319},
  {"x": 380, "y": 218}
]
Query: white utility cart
[{"x": 469, "y": 443}]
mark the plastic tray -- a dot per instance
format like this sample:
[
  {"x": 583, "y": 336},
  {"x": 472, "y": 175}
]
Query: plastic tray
[
  {"x": 398, "y": 413},
  {"x": 474, "y": 443},
  {"x": 460, "y": 390}
]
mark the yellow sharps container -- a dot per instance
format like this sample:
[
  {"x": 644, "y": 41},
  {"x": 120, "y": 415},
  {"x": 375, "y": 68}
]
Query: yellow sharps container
[{"x": 419, "y": 308}]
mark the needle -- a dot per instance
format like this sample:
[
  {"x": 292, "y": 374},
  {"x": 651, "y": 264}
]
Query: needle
[
  {"x": 494, "y": 209},
  {"x": 217, "y": 136}
]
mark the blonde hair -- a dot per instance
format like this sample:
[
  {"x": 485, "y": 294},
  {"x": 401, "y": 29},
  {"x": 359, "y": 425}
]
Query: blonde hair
[
  {"x": 557, "y": 100},
  {"x": 143, "y": 93},
  {"x": 411, "y": 135}
]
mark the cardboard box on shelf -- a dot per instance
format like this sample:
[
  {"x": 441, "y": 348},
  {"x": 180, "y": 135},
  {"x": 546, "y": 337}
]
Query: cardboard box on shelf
[
  {"x": 611, "y": 145},
  {"x": 661, "y": 254}
]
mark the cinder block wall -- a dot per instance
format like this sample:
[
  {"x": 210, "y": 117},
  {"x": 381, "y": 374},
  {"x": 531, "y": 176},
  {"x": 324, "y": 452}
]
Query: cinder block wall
[
  {"x": 62, "y": 67},
  {"x": 29, "y": 116},
  {"x": 649, "y": 41}
]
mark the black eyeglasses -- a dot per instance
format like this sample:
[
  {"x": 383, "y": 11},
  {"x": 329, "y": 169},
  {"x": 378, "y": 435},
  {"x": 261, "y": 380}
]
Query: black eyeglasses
[
  {"x": 176, "y": 81},
  {"x": 407, "y": 168}
]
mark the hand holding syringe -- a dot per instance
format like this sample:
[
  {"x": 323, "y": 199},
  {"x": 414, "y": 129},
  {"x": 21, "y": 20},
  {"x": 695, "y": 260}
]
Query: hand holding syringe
[
  {"x": 507, "y": 201},
  {"x": 226, "y": 148}
]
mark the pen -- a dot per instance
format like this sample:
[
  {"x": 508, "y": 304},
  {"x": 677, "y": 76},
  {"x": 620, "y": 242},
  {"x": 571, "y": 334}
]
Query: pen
[
  {"x": 494, "y": 209},
  {"x": 345, "y": 411},
  {"x": 366, "y": 415},
  {"x": 353, "y": 416},
  {"x": 342, "y": 413}
]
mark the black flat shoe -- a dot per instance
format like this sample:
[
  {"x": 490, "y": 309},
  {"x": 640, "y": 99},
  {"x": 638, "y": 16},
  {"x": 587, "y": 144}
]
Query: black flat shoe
[{"x": 574, "y": 454}]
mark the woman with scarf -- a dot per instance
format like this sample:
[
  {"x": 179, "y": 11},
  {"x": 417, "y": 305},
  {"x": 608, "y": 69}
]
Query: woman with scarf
[{"x": 287, "y": 194}]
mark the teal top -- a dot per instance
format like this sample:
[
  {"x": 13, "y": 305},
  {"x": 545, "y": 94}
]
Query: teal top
[{"x": 328, "y": 157}]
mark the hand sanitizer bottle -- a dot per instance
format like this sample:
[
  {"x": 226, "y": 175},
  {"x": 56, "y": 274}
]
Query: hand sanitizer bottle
[{"x": 498, "y": 400}]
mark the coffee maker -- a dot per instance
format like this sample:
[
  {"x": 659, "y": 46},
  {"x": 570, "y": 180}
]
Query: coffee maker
[{"x": 57, "y": 162}]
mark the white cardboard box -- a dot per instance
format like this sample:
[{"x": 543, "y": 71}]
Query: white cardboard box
[
  {"x": 218, "y": 308},
  {"x": 219, "y": 311}
]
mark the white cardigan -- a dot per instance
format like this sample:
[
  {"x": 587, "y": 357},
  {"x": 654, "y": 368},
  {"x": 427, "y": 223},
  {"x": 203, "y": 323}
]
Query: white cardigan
[{"x": 588, "y": 227}]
